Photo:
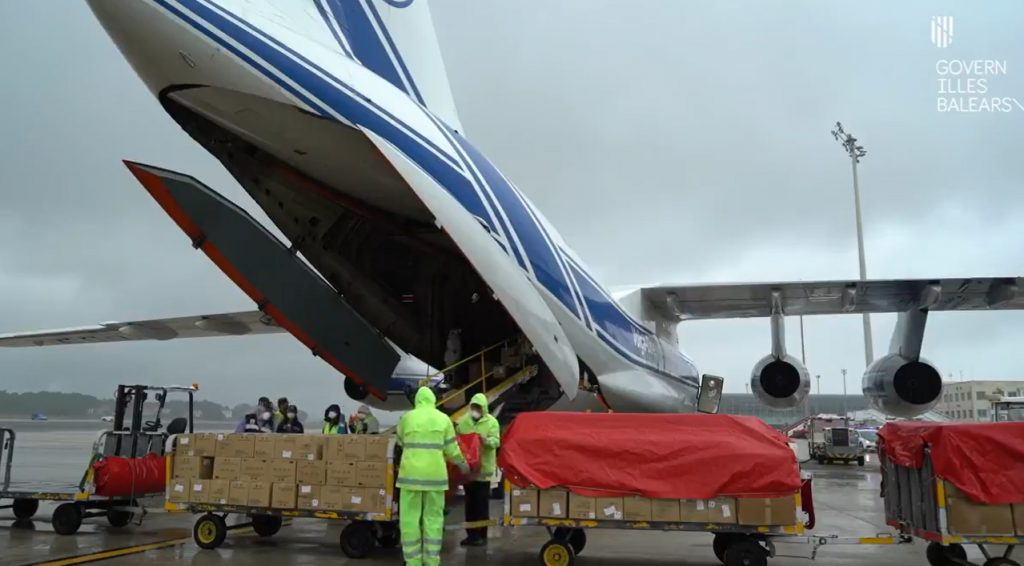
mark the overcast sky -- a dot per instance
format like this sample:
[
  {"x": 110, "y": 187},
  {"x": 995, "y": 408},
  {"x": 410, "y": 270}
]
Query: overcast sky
[{"x": 668, "y": 141}]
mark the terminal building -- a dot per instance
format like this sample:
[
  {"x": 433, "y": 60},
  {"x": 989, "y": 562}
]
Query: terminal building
[
  {"x": 971, "y": 401},
  {"x": 747, "y": 404}
]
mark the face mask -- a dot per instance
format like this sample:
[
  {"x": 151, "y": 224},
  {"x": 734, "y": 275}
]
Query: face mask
[
  {"x": 291, "y": 416},
  {"x": 332, "y": 415},
  {"x": 265, "y": 415},
  {"x": 477, "y": 415}
]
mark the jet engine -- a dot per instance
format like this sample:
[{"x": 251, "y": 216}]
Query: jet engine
[
  {"x": 901, "y": 387},
  {"x": 781, "y": 382}
]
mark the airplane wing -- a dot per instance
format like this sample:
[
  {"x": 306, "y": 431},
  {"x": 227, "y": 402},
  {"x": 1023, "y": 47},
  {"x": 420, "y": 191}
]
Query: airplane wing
[
  {"x": 202, "y": 326},
  {"x": 746, "y": 300}
]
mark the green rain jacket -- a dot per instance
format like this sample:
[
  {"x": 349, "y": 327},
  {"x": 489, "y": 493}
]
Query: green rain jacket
[
  {"x": 427, "y": 438},
  {"x": 490, "y": 436}
]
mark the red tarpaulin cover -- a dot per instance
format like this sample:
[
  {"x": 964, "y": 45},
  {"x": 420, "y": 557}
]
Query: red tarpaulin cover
[
  {"x": 984, "y": 460},
  {"x": 123, "y": 477},
  {"x": 657, "y": 456}
]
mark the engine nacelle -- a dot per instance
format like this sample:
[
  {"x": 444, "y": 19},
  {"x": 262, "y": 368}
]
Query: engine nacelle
[
  {"x": 780, "y": 383},
  {"x": 901, "y": 387}
]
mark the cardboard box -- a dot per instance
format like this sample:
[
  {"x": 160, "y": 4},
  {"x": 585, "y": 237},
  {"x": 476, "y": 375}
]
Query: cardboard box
[
  {"x": 581, "y": 507},
  {"x": 665, "y": 510},
  {"x": 354, "y": 447},
  {"x": 235, "y": 445},
  {"x": 179, "y": 489},
  {"x": 259, "y": 494},
  {"x": 281, "y": 471},
  {"x": 1018, "y": 518},
  {"x": 340, "y": 473},
  {"x": 284, "y": 446},
  {"x": 371, "y": 474},
  {"x": 554, "y": 504},
  {"x": 722, "y": 510},
  {"x": 283, "y": 495},
  {"x": 199, "y": 491},
  {"x": 375, "y": 500},
  {"x": 694, "y": 511},
  {"x": 198, "y": 444},
  {"x": 238, "y": 493},
  {"x": 254, "y": 469},
  {"x": 309, "y": 448},
  {"x": 966, "y": 517},
  {"x": 609, "y": 508},
  {"x": 263, "y": 445},
  {"x": 524, "y": 502},
  {"x": 227, "y": 468},
  {"x": 333, "y": 497},
  {"x": 377, "y": 447},
  {"x": 311, "y": 472},
  {"x": 217, "y": 491},
  {"x": 195, "y": 467},
  {"x": 636, "y": 509},
  {"x": 334, "y": 448},
  {"x": 308, "y": 497},
  {"x": 766, "y": 511}
]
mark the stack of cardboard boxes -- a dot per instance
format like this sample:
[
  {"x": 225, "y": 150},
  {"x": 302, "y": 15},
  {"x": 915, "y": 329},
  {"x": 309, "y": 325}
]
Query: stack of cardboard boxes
[
  {"x": 282, "y": 471},
  {"x": 966, "y": 517},
  {"x": 561, "y": 504}
]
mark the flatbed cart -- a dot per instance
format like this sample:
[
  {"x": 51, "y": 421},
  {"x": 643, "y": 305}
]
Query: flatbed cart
[
  {"x": 916, "y": 505},
  {"x": 733, "y": 545},
  {"x": 79, "y": 501},
  {"x": 363, "y": 533}
]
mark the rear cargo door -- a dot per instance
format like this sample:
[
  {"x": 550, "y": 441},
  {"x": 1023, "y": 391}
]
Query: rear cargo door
[{"x": 282, "y": 285}]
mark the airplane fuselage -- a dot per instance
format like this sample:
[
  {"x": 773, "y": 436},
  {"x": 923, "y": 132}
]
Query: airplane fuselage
[{"x": 244, "y": 67}]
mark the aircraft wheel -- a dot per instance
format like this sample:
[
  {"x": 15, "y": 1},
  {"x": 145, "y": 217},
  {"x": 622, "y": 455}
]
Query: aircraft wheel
[
  {"x": 266, "y": 525},
  {"x": 25, "y": 508},
  {"x": 67, "y": 518},
  {"x": 557, "y": 552},
  {"x": 952, "y": 555},
  {"x": 210, "y": 531},
  {"x": 357, "y": 539}
]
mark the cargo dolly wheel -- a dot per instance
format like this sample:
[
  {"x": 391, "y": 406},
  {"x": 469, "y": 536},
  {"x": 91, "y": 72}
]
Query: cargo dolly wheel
[
  {"x": 577, "y": 538},
  {"x": 358, "y": 539},
  {"x": 952, "y": 555},
  {"x": 1000, "y": 561},
  {"x": 266, "y": 525},
  {"x": 118, "y": 519},
  {"x": 388, "y": 535},
  {"x": 557, "y": 552},
  {"x": 721, "y": 542},
  {"x": 745, "y": 551},
  {"x": 67, "y": 518},
  {"x": 25, "y": 508},
  {"x": 210, "y": 531}
]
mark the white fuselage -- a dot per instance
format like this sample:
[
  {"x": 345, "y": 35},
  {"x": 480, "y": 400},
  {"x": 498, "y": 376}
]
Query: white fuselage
[{"x": 279, "y": 52}]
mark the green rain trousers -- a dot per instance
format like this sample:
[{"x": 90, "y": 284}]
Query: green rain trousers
[{"x": 421, "y": 519}]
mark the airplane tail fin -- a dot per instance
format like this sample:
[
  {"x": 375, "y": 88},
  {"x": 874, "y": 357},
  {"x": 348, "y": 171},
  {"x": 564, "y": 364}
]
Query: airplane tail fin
[{"x": 396, "y": 40}]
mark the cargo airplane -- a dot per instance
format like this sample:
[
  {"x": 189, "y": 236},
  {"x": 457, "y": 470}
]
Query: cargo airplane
[{"x": 337, "y": 118}]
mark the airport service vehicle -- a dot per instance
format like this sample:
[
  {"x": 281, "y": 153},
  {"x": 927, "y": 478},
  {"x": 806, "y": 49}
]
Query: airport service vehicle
[
  {"x": 836, "y": 444},
  {"x": 1008, "y": 409},
  {"x": 868, "y": 439},
  {"x": 134, "y": 434},
  {"x": 337, "y": 118}
]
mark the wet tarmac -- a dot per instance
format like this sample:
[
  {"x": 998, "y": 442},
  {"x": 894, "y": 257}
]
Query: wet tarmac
[{"x": 846, "y": 500}]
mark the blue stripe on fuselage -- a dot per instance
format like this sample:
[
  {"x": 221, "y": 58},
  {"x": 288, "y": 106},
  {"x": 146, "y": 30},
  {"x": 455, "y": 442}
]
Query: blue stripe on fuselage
[
  {"x": 328, "y": 16},
  {"x": 541, "y": 254},
  {"x": 369, "y": 49},
  {"x": 415, "y": 92}
]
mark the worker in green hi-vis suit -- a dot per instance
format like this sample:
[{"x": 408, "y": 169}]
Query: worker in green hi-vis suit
[{"x": 427, "y": 438}]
